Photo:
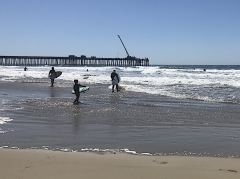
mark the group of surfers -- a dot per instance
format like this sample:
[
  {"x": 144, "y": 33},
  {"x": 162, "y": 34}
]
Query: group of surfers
[{"x": 114, "y": 77}]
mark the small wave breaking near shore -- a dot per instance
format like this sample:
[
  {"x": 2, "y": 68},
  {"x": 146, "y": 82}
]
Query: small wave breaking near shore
[{"x": 216, "y": 84}]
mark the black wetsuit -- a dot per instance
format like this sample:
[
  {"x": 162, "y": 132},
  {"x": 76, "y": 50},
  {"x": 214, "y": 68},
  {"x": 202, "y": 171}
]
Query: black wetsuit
[
  {"x": 76, "y": 87},
  {"x": 51, "y": 73}
]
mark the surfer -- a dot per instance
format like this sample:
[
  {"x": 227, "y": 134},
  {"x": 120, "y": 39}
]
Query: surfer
[
  {"x": 76, "y": 87},
  {"x": 115, "y": 80},
  {"x": 51, "y": 74},
  {"x": 25, "y": 68}
]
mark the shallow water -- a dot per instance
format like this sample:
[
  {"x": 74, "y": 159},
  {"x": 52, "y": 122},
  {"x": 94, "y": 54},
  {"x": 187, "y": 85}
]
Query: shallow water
[{"x": 43, "y": 116}]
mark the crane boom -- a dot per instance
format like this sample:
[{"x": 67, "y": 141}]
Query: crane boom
[{"x": 123, "y": 45}]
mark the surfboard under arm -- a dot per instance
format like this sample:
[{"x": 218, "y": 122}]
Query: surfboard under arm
[
  {"x": 82, "y": 89},
  {"x": 55, "y": 75}
]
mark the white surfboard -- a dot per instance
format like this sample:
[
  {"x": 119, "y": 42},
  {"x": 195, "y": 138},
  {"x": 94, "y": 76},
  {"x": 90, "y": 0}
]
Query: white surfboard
[{"x": 82, "y": 89}]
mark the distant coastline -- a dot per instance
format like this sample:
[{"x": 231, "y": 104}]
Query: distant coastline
[{"x": 219, "y": 67}]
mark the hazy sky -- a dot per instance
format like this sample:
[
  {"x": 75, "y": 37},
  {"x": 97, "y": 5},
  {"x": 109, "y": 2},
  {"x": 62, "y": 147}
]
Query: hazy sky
[{"x": 165, "y": 31}]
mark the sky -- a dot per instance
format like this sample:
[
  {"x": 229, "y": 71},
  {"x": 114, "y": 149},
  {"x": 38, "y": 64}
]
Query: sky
[{"x": 168, "y": 32}]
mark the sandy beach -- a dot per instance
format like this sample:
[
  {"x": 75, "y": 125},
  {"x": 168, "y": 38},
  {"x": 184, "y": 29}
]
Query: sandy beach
[{"x": 38, "y": 164}]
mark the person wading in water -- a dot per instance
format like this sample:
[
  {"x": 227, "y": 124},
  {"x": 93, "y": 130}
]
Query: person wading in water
[
  {"x": 52, "y": 74},
  {"x": 115, "y": 80}
]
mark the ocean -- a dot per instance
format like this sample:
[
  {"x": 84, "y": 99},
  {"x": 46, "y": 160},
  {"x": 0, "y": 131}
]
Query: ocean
[
  {"x": 179, "y": 110},
  {"x": 216, "y": 84}
]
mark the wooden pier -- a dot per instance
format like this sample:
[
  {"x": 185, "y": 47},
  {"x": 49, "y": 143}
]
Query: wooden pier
[{"x": 71, "y": 60}]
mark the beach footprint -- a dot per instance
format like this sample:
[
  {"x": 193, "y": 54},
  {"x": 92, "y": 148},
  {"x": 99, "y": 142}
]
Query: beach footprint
[
  {"x": 160, "y": 162},
  {"x": 228, "y": 170}
]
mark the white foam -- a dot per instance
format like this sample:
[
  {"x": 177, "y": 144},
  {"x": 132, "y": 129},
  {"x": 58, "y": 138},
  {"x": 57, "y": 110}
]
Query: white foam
[
  {"x": 152, "y": 80},
  {"x": 4, "y": 120},
  {"x": 129, "y": 151},
  {"x": 5, "y": 146},
  {"x": 2, "y": 132},
  {"x": 65, "y": 150},
  {"x": 154, "y": 75},
  {"x": 112, "y": 151}
]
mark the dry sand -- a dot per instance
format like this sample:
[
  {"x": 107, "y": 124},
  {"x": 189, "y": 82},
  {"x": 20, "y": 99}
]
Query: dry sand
[{"x": 41, "y": 164}]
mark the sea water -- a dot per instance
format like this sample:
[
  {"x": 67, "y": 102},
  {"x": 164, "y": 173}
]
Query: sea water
[
  {"x": 176, "y": 110},
  {"x": 219, "y": 84}
]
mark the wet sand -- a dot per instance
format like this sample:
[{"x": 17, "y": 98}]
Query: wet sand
[
  {"x": 38, "y": 164},
  {"x": 45, "y": 117}
]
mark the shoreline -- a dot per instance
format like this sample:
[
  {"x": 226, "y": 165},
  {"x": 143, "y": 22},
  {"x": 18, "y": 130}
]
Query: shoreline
[
  {"x": 40, "y": 164},
  {"x": 43, "y": 116}
]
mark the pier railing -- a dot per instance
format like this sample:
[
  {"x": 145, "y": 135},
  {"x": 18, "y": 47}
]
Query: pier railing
[{"x": 71, "y": 60}]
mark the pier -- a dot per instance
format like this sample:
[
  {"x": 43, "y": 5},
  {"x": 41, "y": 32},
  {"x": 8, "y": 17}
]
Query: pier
[{"x": 71, "y": 60}]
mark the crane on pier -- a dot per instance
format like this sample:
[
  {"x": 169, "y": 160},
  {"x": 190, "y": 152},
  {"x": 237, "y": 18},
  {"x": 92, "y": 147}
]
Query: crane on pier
[
  {"x": 124, "y": 46},
  {"x": 131, "y": 59}
]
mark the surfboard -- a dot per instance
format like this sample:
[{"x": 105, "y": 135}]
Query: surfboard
[
  {"x": 82, "y": 89},
  {"x": 56, "y": 74}
]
